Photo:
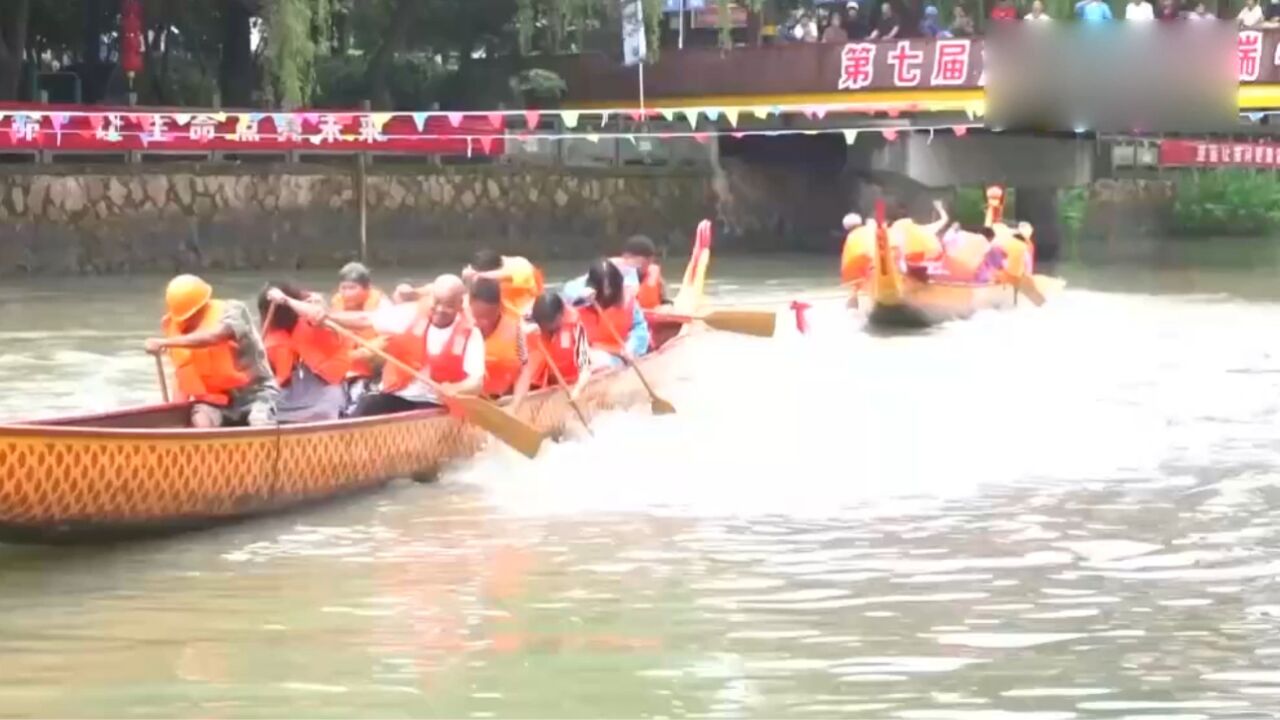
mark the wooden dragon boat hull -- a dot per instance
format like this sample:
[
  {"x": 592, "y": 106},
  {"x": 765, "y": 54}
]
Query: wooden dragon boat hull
[
  {"x": 925, "y": 304},
  {"x": 141, "y": 471}
]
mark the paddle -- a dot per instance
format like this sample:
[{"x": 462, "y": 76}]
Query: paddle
[
  {"x": 657, "y": 404},
  {"x": 164, "y": 382},
  {"x": 1027, "y": 286},
  {"x": 747, "y": 322},
  {"x": 555, "y": 369},
  {"x": 498, "y": 422}
]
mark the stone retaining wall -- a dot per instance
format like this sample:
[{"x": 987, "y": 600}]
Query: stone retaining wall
[{"x": 130, "y": 218}]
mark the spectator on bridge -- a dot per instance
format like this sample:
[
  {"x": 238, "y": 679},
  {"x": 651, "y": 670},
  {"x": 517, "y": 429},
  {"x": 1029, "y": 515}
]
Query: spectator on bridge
[
  {"x": 1094, "y": 11},
  {"x": 887, "y": 28},
  {"x": 1139, "y": 10},
  {"x": 1250, "y": 15},
  {"x": 961, "y": 22},
  {"x": 931, "y": 25},
  {"x": 1200, "y": 13},
  {"x": 835, "y": 33},
  {"x": 855, "y": 25},
  {"x": 1037, "y": 12},
  {"x": 1168, "y": 11},
  {"x": 1004, "y": 11}
]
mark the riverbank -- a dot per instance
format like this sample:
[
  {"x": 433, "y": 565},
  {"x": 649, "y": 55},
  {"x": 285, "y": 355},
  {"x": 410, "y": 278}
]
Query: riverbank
[{"x": 120, "y": 218}]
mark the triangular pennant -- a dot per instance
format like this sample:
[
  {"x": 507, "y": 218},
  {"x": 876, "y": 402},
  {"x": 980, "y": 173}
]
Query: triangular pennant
[
  {"x": 531, "y": 118},
  {"x": 380, "y": 120},
  {"x": 497, "y": 120},
  {"x": 703, "y": 138},
  {"x": 713, "y": 114},
  {"x": 486, "y": 142},
  {"x": 311, "y": 118},
  {"x": 820, "y": 112},
  {"x": 960, "y": 130},
  {"x": 632, "y": 138},
  {"x": 668, "y": 115},
  {"x": 281, "y": 121},
  {"x": 570, "y": 119},
  {"x": 889, "y": 134},
  {"x": 59, "y": 119},
  {"x": 731, "y": 114},
  {"x": 180, "y": 118},
  {"x": 593, "y": 138},
  {"x": 738, "y": 135},
  {"x": 850, "y": 137},
  {"x": 637, "y": 115},
  {"x": 692, "y": 117},
  {"x": 95, "y": 122},
  {"x": 146, "y": 122},
  {"x": 455, "y": 119}
]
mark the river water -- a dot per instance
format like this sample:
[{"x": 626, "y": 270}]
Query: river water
[{"x": 1064, "y": 512}]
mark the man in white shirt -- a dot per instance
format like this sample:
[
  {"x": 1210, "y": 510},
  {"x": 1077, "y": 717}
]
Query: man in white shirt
[
  {"x": 425, "y": 335},
  {"x": 1139, "y": 10},
  {"x": 1037, "y": 12},
  {"x": 1251, "y": 14}
]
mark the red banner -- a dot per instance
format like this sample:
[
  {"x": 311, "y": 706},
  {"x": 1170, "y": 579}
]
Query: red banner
[
  {"x": 120, "y": 130},
  {"x": 1219, "y": 154}
]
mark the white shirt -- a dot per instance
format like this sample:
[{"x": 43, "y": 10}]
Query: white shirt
[
  {"x": 1139, "y": 11},
  {"x": 1041, "y": 16},
  {"x": 1250, "y": 16},
  {"x": 397, "y": 319}
]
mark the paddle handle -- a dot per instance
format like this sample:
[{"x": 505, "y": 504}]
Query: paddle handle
[
  {"x": 266, "y": 321},
  {"x": 388, "y": 358},
  {"x": 555, "y": 369},
  {"x": 622, "y": 343},
  {"x": 164, "y": 381}
]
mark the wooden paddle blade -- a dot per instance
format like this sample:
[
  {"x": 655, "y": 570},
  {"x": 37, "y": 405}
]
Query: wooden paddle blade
[
  {"x": 661, "y": 407},
  {"x": 1027, "y": 287},
  {"x": 502, "y": 425},
  {"x": 747, "y": 322}
]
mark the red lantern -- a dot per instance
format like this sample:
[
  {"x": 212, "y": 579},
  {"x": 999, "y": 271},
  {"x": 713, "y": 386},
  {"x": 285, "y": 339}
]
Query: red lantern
[{"x": 131, "y": 37}]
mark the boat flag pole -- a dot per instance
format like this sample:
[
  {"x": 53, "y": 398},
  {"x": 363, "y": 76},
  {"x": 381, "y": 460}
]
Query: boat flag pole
[{"x": 164, "y": 382}]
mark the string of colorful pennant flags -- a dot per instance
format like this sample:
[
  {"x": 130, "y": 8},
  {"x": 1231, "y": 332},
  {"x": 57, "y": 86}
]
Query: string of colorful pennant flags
[{"x": 423, "y": 132}]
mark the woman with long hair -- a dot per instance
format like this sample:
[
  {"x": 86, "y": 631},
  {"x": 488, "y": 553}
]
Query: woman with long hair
[{"x": 613, "y": 290}]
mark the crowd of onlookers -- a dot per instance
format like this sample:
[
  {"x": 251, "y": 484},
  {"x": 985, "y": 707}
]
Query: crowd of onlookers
[{"x": 911, "y": 18}]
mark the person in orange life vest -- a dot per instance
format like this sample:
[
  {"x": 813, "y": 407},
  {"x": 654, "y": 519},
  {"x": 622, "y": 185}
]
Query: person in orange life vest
[
  {"x": 638, "y": 253},
  {"x": 605, "y": 284},
  {"x": 357, "y": 293},
  {"x": 431, "y": 335},
  {"x": 310, "y": 361},
  {"x": 560, "y": 338},
  {"x": 219, "y": 360},
  {"x": 520, "y": 280},
  {"x": 504, "y": 338}
]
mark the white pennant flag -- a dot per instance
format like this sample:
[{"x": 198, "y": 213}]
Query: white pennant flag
[{"x": 850, "y": 137}]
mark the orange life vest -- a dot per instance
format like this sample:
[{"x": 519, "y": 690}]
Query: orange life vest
[
  {"x": 502, "y": 357},
  {"x": 523, "y": 287},
  {"x": 558, "y": 349},
  {"x": 410, "y": 348},
  {"x": 206, "y": 374},
  {"x": 619, "y": 317},
  {"x": 324, "y": 352},
  {"x": 360, "y": 368},
  {"x": 858, "y": 255},
  {"x": 650, "y": 293}
]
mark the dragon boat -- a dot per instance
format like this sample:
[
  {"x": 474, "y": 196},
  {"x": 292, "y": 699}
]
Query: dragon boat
[{"x": 144, "y": 471}]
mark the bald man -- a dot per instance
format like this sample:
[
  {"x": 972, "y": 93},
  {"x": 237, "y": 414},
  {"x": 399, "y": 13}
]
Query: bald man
[{"x": 435, "y": 338}]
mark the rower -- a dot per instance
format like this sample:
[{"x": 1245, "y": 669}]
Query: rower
[
  {"x": 356, "y": 293},
  {"x": 559, "y": 339},
  {"x": 521, "y": 280},
  {"x": 220, "y": 363},
  {"x": 310, "y": 361},
  {"x": 857, "y": 256},
  {"x": 505, "y": 354},
  {"x": 638, "y": 254},
  {"x": 433, "y": 336},
  {"x": 919, "y": 243},
  {"x": 604, "y": 285}
]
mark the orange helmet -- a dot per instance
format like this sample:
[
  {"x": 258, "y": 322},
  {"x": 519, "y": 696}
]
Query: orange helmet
[{"x": 185, "y": 295}]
